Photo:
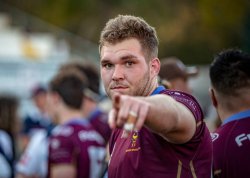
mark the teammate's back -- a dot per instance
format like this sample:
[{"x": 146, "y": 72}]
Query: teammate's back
[{"x": 230, "y": 93}]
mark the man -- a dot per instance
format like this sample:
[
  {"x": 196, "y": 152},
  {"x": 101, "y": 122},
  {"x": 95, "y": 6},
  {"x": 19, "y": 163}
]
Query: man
[
  {"x": 76, "y": 149},
  {"x": 37, "y": 120},
  {"x": 96, "y": 115},
  {"x": 34, "y": 159},
  {"x": 230, "y": 93},
  {"x": 157, "y": 132},
  {"x": 177, "y": 74}
]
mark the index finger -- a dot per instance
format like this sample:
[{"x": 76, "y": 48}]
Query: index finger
[{"x": 116, "y": 101}]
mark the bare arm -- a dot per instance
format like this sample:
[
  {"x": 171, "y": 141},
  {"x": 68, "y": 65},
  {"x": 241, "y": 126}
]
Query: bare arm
[
  {"x": 20, "y": 175},
  {"x": 170, "y": 119},
  {"x": 160, "y": 113},
  {"x": 63, "y": 171}
]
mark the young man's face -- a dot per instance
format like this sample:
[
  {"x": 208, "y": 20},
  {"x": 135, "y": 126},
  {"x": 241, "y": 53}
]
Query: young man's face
[
  {"x": 52, "y": 105},
  {"x": 124, "y": 69}
]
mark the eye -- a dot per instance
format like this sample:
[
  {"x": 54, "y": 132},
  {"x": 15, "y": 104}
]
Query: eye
[
  {"x": 129, "y": 63},
  {"x": 107, "y": 66}
]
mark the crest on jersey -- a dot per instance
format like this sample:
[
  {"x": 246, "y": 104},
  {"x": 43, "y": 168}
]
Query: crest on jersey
[
  {"x": 134, "y": 146},
  {"x": 55, "y": 143},
  {"x": 134, "y": 139}
]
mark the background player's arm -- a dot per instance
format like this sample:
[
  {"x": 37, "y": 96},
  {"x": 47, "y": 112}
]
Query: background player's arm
[
  {"x": 63, "y": 171},
  {"x": 20, "y": 175}
]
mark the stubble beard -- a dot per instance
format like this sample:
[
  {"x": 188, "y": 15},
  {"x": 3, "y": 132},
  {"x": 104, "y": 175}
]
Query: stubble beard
[{"x": 142, "y": 87}]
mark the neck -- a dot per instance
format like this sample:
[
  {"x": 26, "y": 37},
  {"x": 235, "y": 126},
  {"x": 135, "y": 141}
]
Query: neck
[
  {"x": 154, "y": 86},
  {"x": 224, "y": 114},
  {"x": 69, "y": 114},
  {"x": 230, "y": 105},
  {"x": 88, "y": 107}
]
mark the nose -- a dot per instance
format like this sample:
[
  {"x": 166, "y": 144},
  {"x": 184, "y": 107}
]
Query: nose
[{"x": 118, "y": 73}]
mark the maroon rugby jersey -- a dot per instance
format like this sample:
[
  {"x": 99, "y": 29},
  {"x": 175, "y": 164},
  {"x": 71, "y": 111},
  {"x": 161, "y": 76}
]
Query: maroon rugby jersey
[
  {"x": 99, "y": 120},
  {"x": 231, "y": 144},
  {"x": 77, "y": 142},
  {"x": 145, "y": 154}
]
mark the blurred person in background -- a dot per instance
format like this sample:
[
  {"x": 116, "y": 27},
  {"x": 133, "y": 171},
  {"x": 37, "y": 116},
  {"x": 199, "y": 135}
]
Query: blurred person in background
[
  {"x": 8, "y": 132},
  {"x": 76, "y": 149},
  {"x": 175, "y": 75},
  {"x": 91, "y": 110},
  {"x": 33, "y": 162},
  {"x": 230, "y": 94},
  {"x": 37, "y": 120}
]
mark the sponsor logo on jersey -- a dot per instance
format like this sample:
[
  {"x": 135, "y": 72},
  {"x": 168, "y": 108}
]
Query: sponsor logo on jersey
[
  {"x": 214, "y": 136},
  {"x": 63, "y": 131},
  {"x": 90, "y": 136},
  {"x": 242, "y": 138}
]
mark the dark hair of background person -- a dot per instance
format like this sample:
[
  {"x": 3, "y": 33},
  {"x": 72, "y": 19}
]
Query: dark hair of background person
[
  {"x": 69, "y": 84},
  {"x": 9, "y": 114},
  {"x": 125, "y": 27},
  {"x": 225, "y": 80},
  {"x": 88, "y": 69}
]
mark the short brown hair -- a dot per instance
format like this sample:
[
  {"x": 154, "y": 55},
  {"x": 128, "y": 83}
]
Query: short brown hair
[
  {"x": 126, "y": 26},
  {"x": 89, "y": 70},
  {"x": 69, "y": 84}
]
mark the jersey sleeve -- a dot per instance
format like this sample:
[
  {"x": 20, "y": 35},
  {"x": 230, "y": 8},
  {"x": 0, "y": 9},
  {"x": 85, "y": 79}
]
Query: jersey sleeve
[
  {"x": 189, "y": 101},
  {"x": 4, "y": 167},
  {"x": 30, "y": 162},
  {"x": 192, "y": 104}
]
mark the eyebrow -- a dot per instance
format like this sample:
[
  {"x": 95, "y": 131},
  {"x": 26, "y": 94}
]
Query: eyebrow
[
  {"x": 130, "y": 56},
  {"x": 123, "y": 58}
]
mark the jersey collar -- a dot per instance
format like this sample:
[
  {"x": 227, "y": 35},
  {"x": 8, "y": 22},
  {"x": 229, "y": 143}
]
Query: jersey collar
[
  {"x": 158, "y": 90},
  {"x": 237, "y": 116}
]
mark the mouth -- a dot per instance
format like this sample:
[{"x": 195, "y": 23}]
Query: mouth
[{"x": 119, "y": 88}]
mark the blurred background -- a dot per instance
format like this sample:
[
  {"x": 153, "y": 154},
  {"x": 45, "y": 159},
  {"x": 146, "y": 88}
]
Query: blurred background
[{"x": 37, "y": 36}]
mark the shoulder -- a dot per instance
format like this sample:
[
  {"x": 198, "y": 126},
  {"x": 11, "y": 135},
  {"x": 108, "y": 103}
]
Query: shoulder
[
  {"x": 4, "y": 167},
  {"x": 63, "y": 131},
  {"x": 37, "y": 141},
  {"x": 82, "y": 132},
  {"x": 188, "y": 100},
  {"x": 5, "y": 143}
]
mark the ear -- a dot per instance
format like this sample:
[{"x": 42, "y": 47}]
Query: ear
[
  {"x": 55, "y": 98},
  {"x": 155, "y": 65},
  {"x": 213, "y": 97}
]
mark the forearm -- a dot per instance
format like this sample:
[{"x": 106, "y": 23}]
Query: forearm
[
  {"x": 63, "y": 171},
  {"x": 160, "y": 113},
  {"x": 20, "y": 175},
  {"x": 169, "y": 118}
]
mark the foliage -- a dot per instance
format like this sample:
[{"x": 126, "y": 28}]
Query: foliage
[{"x": 191, "y": 30}]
